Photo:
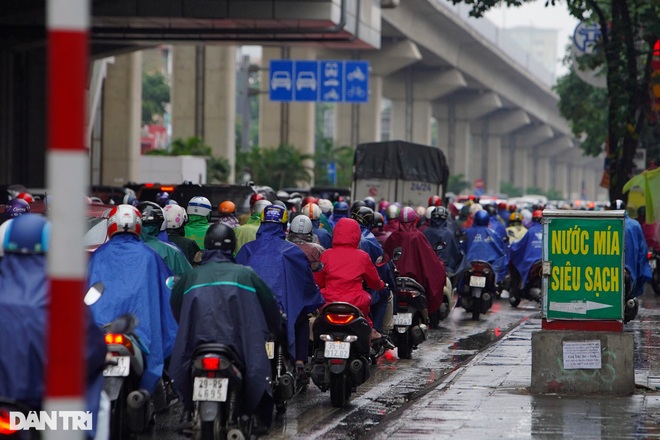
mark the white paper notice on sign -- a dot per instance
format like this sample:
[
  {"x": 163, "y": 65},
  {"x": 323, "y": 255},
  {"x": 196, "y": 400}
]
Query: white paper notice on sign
[{"x": 582, "y": 355}]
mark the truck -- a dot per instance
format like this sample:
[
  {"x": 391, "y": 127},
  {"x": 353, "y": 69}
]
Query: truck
[{"x": 399, "y": 171}]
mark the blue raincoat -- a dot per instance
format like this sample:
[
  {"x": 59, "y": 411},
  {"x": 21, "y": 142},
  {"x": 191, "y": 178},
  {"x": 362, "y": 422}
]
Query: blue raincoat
[
  {"x": 636, "y": 256},
  {"x": 285, "y": 269},
  {"x": 527, "y": 250},
  {"x": 325, "y": 237},
  {"x": 482, "y": 243},
  {"x": 437, "y": 231},
  {"x": 497, "y": 226},
  {"x": 24, "y": 302},
  {"x": 134, "y": 277}
]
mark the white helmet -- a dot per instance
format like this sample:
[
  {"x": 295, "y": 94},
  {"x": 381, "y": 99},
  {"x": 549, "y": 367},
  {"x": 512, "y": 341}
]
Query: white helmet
[
  {"x": 3, "y": 232},
  {"x": 326, "y": 206},
  {"x": 312, "y": 211},
  {"x": 199, "y": 206},
  {"x": 259, "y": 206},
  {"x": 429, "y": 212},
  {"x": 474, "y": 208},
  {"x": 124, "y": 218},
  {"x": 301, "y": 224},
  {"x": 175, "y": 216}
]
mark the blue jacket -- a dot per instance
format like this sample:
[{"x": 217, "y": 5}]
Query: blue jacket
[
  {"x": 285, "y": 269},
  {"x": 325, "y": 237},
  {"x": 24, "y": 302},
  {"x": 134, "y": 278},
  {"x": 437, "y": 231},
  {"x": 370, "y": 245},
  {"x": 636, "y": 256},
  {"x": 527, "y": 250},
  {"x": 484, "y": 244}
]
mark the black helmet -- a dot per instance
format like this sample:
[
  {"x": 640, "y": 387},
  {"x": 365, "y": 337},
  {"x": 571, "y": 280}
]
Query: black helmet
[
  {"x": 379, "y": 220},
  {"x": 439, "y": 212},
  {"x": 491, "y": 209},
  {"x": 220, "y": 236},
  {"x": 152, "y": 213},
  {"x": 618, "y": 204},
  {"x": 357, "y": 205},
  {"x": 370, "y": 202},
  {"x": 364, "y": 216}
]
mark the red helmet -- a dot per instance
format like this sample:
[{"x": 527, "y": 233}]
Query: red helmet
[
  {"x": 255, "y": 197},
  {"x": 537, "y": 215},
  {"x": 435, "y": 201},
  {"x": 124, "y": 218},
  {"x": 309, "y": 199},
  {"x": 501, "y": 205},
  {"x": 25, "y": 196}
]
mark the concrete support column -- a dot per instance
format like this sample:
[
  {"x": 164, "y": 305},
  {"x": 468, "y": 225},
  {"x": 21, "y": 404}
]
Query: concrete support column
[
  {"x": 542, "y": 172},
  {"x": 521, "y": 162},
  {"x": 420, "y": 121},
  {"x": 359, "y": 123},
  {"x": 494, "y": 164},
  {"x": 286, "y": 123},
  {"x": 561, "y": 176},
  {"x": 122, "y": 110},
  {"x": 464, "y": 151}
]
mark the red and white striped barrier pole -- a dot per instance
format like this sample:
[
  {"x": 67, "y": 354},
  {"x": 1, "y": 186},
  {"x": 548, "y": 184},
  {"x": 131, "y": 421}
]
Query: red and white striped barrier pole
[{"x": 68, "y": 178}]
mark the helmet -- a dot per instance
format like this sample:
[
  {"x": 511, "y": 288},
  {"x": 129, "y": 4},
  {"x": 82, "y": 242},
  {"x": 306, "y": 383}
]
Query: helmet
[
  {"x": 429, "y": 212},
  {"x": 481, "y": 218},
  {"x": 474, "y": 208},
  {"x": 326, "y": 206},
  {"x": 440, "y": 213},
  {"x": 464, "y": 212},
  {"x": 27, "y": 234},
  {"x": 501, "y": 205},
  {"x": 25, "y": 196},
  {"x": 435, "y": 201},
  {"x": 199, "y": 206},
  {"x": 421, "y": 211},
  {"x": 357, "y": 205},
  {"x": 370, "y": 202},
  {"x": 220, "y": 236},
  {"x": 515, "y": 217},
  {"x": 152, "y": 214},
  {"x": 124, "y": 218},
  {"x": 227, "y": 207},
  {"x": 407, "y": 215},
  {"x": 3, "y": 233},
  {"x": 364, "y": 216},
  {"x": 259, "y": 206},
  {"x": 392, "y": 212},
  {"x": 274, "y": 214},
  {"x": 129, "y": 199},
  {"x": 301, "y": 224},
  {"x": 256, "y": 197},
  {"x": 312, "y": 211},
  {"x": 383, "y": 204},
  {"x": 309, "y": 199},
  {"x": 491, "y": 209},
  {"x": 341, "y": 208},
  {"x": 379, "y": 220},
  {"x": 512, "y": 207},
  {"x": 162, "y": 198},
  {"x": 16, "y": 207},
  {"x": 618, "y": 204},
  {"x": 280, "y": 203},
  {"x": 537, "y": 215},
  {"x": 175, "y": 216},
  {"x": 282, "y": 195}
]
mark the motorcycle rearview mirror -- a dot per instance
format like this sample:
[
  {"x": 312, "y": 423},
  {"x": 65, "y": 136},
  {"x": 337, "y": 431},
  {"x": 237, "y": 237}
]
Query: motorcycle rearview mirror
[
  {"x": 397, "y": 253},
  {"x": 94, "y": 293},
  {"x": 382, "y": 260},
  {"x": 171, "y": 281},
  {"x": 124, "y": 324},
  {"x": 316, "y": 266}
]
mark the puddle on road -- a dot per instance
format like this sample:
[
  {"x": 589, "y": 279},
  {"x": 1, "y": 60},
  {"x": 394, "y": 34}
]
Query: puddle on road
[{"x": 477, "y": 341}]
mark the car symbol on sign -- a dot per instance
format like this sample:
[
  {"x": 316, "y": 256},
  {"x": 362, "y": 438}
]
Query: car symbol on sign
[
  {"x": 306, "y": 80},
  {"x": 281, "y": 79}
]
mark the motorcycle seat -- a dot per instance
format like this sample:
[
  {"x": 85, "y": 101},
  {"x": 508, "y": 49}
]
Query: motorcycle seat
[
  {"x": 341, "y": 308},
  {"x": 222, "y": 349}
]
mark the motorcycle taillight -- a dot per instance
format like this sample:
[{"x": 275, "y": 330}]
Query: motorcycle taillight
[
  {"x": 479, "y": 267},
  {"x": 5, "y": 427},
  {"x": 340, "y": 318},
  {"x": 119, "y": 339},
  {"x": 407, "y": 293},
  {"x": 650, "y": 255},
  {"x": 210, "y": 363}
]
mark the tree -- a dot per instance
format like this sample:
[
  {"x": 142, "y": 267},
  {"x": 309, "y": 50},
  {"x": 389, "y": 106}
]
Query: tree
[
  {"x": 281, "y": 167},
  {"x": 217, "y": 168},
  {"x": 457, "y": 184},
  {"x": 342, "y": 157},
  {"x": 155, "y": 94},
  {"x": 509, "y": 189},
  {"x": 629, "y": 30}
]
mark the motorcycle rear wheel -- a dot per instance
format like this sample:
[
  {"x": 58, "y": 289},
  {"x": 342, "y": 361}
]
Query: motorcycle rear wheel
[
  {"x": 339, "y": 390},
  {"x": 476, "y": 307},
  {"x": 655, "y": 282},
  {"x": 118, "y": 415},
  {"x": 404, "y": 349},
  {"x": 514, "y": 301}
]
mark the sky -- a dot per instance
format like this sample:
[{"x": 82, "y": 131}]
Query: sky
[{"x": 537, "y": 15}]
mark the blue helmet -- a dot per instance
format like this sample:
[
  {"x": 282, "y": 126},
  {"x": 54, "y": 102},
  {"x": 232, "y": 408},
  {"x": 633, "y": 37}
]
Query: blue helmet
[
  {"x": 481, "y": 218},
  {"x": 27, "y": 234},
  {"x": 341, "y": 208}
]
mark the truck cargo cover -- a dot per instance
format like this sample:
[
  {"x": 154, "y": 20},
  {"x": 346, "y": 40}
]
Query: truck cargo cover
[{"x": 401, "y": 160}]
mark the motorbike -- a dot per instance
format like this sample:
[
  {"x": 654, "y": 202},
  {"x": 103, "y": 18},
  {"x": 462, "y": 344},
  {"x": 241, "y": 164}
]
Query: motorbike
[
  {"x": 631, "y": 305},
  {"x": 217, "y": 374},
  {"x": 284, "y": 382},
  {"x": 341, "y": 350},
  {"x": 654, "y": 258},
  {"x": 478, "y": 288},
  {"x": 410, "y": 327},
  {"x": 532, "y": 288}
]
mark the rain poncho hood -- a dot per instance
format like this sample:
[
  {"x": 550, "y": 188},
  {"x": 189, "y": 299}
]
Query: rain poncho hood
[
  {"x": 636, "y": 256},
  {"x": 247, "y": 232},
  {"x": 527, "y": 250},
  {"x": 134, "y": 277},
  {"x": 286, "y": 270},
  {"x": 172, "y": 255},
  {"x": 419, "y": 261},
  {"x": 196, "y": 228},
  {"x": 482, "y": 243},
  {"x": 436, "y": 232},
  {"x": 221, "y": 304},
  {"x": 24, "y": 302}
]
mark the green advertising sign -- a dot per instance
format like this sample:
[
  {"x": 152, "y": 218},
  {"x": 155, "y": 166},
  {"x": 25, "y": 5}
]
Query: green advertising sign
[{"x": 583, "y": 265}]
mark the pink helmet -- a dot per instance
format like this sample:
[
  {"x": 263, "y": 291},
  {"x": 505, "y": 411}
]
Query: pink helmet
[{"x": 407, "y": 215}]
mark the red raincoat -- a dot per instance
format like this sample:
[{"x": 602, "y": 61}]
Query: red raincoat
[
  {"x": 419, "y": 261},
  {"x": 345, "y": 267}
]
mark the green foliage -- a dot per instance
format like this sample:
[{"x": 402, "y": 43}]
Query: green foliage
[
  {"x": 327, "y": 153},
  {"x": 510, "y": 189},
  {"x": 279, "y": 167},
  {"x": 218, "y": 169},
  {"x": 155, "y": 94},
  {"x": 457, "y": 184},
  {"x": 193, "y": 146},
  {"x": 553, "y": 194}
]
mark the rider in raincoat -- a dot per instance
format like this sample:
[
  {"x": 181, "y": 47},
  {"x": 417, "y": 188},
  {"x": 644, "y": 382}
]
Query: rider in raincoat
[
  {"x": 482, "y": 243},
  {"x": 134, "y": 277},
  {"x": 199, "y": 213},
  {"x": 636, "y": 258},
  {"x": 248, "y": 232},
  {"x": 527, "y": 250},
  {"x": 438, "y": 231}
]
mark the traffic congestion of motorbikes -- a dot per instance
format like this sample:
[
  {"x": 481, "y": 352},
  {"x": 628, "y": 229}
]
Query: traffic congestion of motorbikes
[{"x": 234, "y": 315}]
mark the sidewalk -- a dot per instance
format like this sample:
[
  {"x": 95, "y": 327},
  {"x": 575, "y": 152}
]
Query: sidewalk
[{"x": 489, "y": 398}]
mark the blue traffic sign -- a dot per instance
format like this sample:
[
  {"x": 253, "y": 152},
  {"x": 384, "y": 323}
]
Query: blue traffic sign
[
  {"x": 280, "y": 80},
  {"x": 319, "y": 81},
  {"x": 357, "y": 81}
]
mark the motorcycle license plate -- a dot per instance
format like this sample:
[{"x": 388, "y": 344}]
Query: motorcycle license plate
[
  {"x": 337, "y": 349},
  {"x": 122, "y": 368},
  {"x": 403, "y": 319},
  {"x": 270, "y": 349},
  {"x": 652, "y": 263},
  {"x": 477, "y": 281},
  {"x": 206, "y": 389}
]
